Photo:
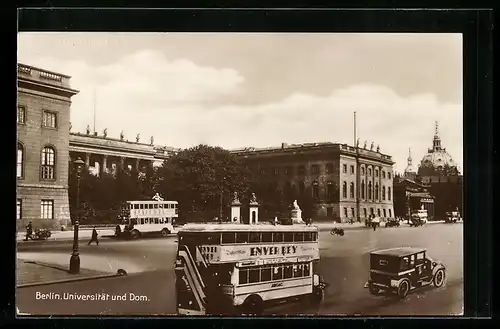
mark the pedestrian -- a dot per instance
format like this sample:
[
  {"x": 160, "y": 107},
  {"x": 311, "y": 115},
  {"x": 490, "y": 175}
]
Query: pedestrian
[
  {"x": 29, "y": 231},
  {"x": 374, "y": 222},
  {"x": 94, "y": 237}
]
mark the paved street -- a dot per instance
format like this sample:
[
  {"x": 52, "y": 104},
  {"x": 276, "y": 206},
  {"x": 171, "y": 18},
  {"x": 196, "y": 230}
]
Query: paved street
[{"x": 344, "y": 265}]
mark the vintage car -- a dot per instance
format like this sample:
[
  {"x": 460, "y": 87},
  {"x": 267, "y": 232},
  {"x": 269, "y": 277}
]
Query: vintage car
[
  {"x": 452, "y": 217},
  {"x": 400, "y": 270},
  {"x": 392, "y": 222}
]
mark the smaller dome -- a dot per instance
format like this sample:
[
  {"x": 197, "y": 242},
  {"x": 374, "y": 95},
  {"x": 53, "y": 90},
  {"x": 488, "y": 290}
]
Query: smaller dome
[{"x": 411, "y": 169}]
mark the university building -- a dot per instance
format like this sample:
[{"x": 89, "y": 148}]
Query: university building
[
  {"x": 346, "y": 182},
  {"x": 43, "y": 112}
]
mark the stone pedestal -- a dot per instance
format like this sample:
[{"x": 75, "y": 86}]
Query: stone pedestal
[
  {"x": 296, "y": 214},
  {"x": 235, "y": 212},
  {"x": 254, "y": 213}
]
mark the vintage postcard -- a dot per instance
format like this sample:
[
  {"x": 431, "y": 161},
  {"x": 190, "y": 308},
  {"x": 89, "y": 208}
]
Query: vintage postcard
[{"x": 239, "y": 174}]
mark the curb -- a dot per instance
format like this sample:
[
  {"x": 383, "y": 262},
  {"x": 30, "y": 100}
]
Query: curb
[{"x": 119, "y": 272}]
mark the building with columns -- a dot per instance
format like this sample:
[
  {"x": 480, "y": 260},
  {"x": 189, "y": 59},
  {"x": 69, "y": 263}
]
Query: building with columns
[
  {"x": 43, "y": 112},
  {"x": 348, "y": 183},
  {"x": 102, "y": 153}
]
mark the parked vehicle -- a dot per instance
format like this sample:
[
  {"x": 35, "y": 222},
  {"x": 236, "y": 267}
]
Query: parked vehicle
[
  {"x": 452, "y": 217},
  {"x": 418, "y": 218},
  {"x": 41, "y": 234},
  {"x": 392, "y": 222},
  {"x": 337, "y": 231},
  {"x": 401, "y": 270}
]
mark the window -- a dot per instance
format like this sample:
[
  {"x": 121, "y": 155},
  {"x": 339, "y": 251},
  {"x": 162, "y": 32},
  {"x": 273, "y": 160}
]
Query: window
[
  {"x": 364, "y": 212},
  {"x": 329, "y": 189},
  {"x": 314, "y": 169},
  {"x": 376, "y": 172},
  {"x": 390, "y": 213},
  {"x": 315, "y": 190},
  {"x": 228, "y": 237},
  {"x": 352, "y": 169},
  {"x": 344, "y": 168},
  {"x": 362, "y": 189},
  {"x": 376, "y": 191},
  {"x": 277, "y": 273},
  {"x": 353, "y": 212},
  {"x": 49, "y": 119},
  {"x": 388, "y": 175},
  {"x": 278, "y": 237},
  {"x": 265, "y": 274},
  {"x": 405, "y": 263},
  {"x": 302, "y": 170},
  {"x": 254, "y": 275},
  {"x": 352, "y": 190},
  {"x": 370, "y": 190},
  {"x": 20, "y": 160},
  {"x": 385, "y": 214},
  {"x": 420, "y": 257},
  {"x": 369, "y": 171},
  {"x": 287, "y": 272},
  {"x": 47, "y": 209},
  {"x": 389, "y": 193},
  {"x": 267, "y": 237},
  {"x": 255, "y": 237},
  {"x": 288, "y": 237},
  {"x": 383, "y": 192},
  {"x": 329, "y": 168},
  {"x": 19, "y": 209},
  {"x": 21, "y": 114},
  {"x": 345, "y": 213},
  {"x": 48, "y": 162},
  {"x": 383, "y": 174},
  {"x": 378, "y": 212},
  {"x": 243, "y": 276},
  {"x": 298, "y": 237},
  {"x": 344, "y": 189},
  {"x": 362, "y": 171},
  {"x": 241, "y": 237}
]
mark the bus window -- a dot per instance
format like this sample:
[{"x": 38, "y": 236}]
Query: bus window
[
  {"x": 213, "y": 238},
  {"x": 241, "y": 237},
  {"x": 243, "y": 276},
  {"x": 168, "y": 206},
  {"x": 155, "y": 206},
  {"x": 314, "y": 236},
  {"x": 307, "y": 269},
  {"x": 229, "y": 237},
  {"x": 278, "y": 272},
  {"x": 255, "y": 237},
  {"x": 265, "y": 274},
  {"x": 287, "y": 272},
  {"x": 267, "y": 237},
  {"x": 278, "y": 237},
  {"x": 254, "y": 275},
  {"x": 288, "y": 237},
  {"x": 307, "y": 236},
  {"x": 160, "y": 206},
  {"x": 141, "y": 206},
  {"x": 157, "y": 220},
  {"x": 298, "y": 237},
  {"x": 298, "y": 271}
]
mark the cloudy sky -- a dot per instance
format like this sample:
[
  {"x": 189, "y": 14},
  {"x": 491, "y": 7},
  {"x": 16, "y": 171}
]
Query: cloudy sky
[{"x": 237, "y": 90}]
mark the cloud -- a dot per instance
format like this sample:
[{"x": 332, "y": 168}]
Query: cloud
[{"x": 182, "y": 104}]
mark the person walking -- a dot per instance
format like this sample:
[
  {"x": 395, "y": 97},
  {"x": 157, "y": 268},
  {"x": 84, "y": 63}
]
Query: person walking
[
  {"x": 375, "y": 222},
  {"x": 29, "y": 231},
  {"x": 94, "y": 237}
]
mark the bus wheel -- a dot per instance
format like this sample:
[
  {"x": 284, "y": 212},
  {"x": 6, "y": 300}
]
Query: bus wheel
[
  {"x": 253, "y": 305},
  {"x": 134, "y": 234},
  {"x": 165, "y": 232}
]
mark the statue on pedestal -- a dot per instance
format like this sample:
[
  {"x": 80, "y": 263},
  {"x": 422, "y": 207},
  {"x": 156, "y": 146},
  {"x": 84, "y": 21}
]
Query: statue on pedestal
[
  {"x": 122, "y": 136},
  {"x": 88, "y": 130},
  {"x": 364, "y": 146},
  {"x": 253, "y": 199},
  {"x": 378, "y": 148},
  {"x": 357, "y": 143},
  {"x": 70, "y": 126},
  {"x": 105, "y": 132},
  {"x": 371, "y": 147},
  {"x": 137, "y": 138},
  {"x": 152, "y": 140},
  {"x": 235, "y": 198}
]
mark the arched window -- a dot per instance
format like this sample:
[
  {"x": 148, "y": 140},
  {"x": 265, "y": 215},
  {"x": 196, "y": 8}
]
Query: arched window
[
  {"x": 48, "y": 162},
  {"x": 362, "y": 171},
  {"x": 370, "y": 190},
  {"x": 344, "y": 190},
  {"x": 352, "y": 190},
  {"x": 315, "y": 190},
  {"x": 383, "y": 192},
  {"x": 376, "y": 191},
  {"x": 389, "y": 193},
  {"x": 369, "y": 171},
  {"x": 20, "y": 160},
  {"x": 362, "y": 189},
  {"x": 329, "y": 189}
]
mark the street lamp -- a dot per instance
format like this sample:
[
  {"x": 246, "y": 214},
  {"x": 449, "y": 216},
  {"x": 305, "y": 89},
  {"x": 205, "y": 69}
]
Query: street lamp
[{"x": 74, "y": 261}]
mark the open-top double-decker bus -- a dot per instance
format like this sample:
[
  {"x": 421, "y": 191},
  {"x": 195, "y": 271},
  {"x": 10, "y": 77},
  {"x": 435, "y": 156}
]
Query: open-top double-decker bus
[{"x": 240, "y": 269}]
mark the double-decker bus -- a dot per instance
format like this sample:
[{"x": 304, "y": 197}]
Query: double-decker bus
[
  {"x": 147, "y": 217},
  {"x": 242, "y": 269}
]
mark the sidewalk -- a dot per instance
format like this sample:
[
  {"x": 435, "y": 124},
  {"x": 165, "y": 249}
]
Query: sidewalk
[
  {"x": 347, "y": 226},
  {"x": 68, "y": 235},
  {"x": 37, "y": 273}
]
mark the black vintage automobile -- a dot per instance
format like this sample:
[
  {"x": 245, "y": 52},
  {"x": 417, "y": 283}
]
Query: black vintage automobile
[
  {"x": 401, "y": 270},
  {"x": 392, "y": 222}
]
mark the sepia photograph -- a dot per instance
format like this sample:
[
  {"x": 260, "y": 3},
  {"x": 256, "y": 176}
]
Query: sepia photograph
[{"x": 239, "y": 174}]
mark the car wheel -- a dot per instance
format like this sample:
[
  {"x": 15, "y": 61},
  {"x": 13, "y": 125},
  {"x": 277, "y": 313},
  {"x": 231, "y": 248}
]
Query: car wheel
[
  {"x": 165, "y": 232},
  {"x": 373, "y": 289},
  {"x": 439, "y": 278},
  {"x": 253, "y": 305},
  {"x": 404, "y": 288},
  {"x": 134, "y": 234}
]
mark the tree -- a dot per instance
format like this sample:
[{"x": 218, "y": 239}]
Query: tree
[{"x": 197, "y": 178}]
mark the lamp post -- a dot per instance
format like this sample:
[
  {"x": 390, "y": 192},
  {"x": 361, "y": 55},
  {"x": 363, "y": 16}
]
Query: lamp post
[{"x": 74, "y": 261}]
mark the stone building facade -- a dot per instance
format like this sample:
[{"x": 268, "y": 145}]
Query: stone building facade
[
  {"x": 43, "y": 112},
  {"x": 347, "y": 183}
]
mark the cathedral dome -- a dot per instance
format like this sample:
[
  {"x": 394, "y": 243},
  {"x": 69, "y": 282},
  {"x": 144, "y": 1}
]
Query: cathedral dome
[
  {"x": 437, "y": 159},
  {"x": 410, "y": 168}
]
